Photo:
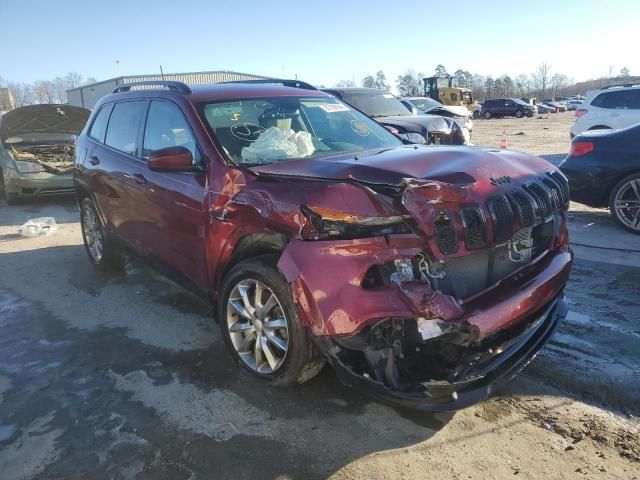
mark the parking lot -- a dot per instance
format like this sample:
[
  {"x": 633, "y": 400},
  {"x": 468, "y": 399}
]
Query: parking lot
[{"x": 125, "y": 376}]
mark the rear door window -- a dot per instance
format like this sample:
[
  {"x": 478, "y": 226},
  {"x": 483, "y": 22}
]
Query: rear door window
[
  {"x": 167, "y": 127},
  {"x": 99, "y": 126},
  {"x": 622, "y": 99},
  {"x": 124, "y": 126}
]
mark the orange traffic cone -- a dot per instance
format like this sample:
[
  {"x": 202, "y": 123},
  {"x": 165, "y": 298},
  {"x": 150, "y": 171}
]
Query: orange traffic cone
[{"x": 504, "y": 143}]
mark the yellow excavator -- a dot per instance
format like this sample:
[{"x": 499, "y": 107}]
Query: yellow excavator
[{"x": 442, "y": 90}]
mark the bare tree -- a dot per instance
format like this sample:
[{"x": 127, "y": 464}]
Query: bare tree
[
  {"x": 44, "y": 91},
  {"x": 73, "y": 80},
  {"x": 624, "y": 72},
  {"x": 345, "y": 84},
  {"x": 21, "y": 93},
  {"x": 541, "y": 75}
]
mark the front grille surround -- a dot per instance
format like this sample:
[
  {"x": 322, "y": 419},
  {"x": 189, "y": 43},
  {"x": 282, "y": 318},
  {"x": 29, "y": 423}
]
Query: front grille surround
[{"x": 521, "y": 207}]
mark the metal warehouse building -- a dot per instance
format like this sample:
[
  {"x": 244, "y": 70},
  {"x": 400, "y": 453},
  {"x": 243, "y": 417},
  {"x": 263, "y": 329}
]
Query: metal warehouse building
[{"x": 88, "y": 95}]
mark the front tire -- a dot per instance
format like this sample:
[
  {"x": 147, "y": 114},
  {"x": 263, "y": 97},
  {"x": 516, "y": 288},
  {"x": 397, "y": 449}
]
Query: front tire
[
  {"x": 260, "y": 325},
  {"x": 101, "y": 250},
  {"x": 624, "y": 203},
  {"x": 519, "y": 114},
  {"x": 10, "y": 198}
]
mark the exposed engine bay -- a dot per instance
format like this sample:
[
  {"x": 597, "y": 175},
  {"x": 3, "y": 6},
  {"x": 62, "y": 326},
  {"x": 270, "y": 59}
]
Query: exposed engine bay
[{"x": 55, "y": 158}]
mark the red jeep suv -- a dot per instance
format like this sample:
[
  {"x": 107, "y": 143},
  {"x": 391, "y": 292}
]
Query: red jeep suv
[{"x": 429, "y": 275}]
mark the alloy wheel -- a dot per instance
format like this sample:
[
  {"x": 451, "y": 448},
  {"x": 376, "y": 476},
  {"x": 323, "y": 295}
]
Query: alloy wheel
[
  {"x": 92, "y": 234},
  {"x": 627, "y": 204},
  {"x": 257, "y": 326}
]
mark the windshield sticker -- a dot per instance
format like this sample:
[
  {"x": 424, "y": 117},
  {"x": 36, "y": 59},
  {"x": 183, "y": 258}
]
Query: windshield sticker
[
  {"x": 333, "y": 107},
  {"x": 360, "y": 128}
]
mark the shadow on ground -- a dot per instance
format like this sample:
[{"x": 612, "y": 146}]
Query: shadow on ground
[{"x": 93, "y": 372}]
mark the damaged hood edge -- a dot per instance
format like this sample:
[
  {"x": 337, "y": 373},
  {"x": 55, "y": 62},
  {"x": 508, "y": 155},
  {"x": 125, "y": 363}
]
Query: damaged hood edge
[{"x": 44, "y": 118}]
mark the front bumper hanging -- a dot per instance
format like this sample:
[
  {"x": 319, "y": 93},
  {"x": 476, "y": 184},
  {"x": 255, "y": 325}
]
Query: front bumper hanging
[{"x": 478, "y": 373}]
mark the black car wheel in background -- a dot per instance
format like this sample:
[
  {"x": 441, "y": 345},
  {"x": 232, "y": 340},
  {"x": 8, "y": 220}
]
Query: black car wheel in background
[
  {"x": 624, "y": 202},
  {"x": 603, "y": 168}
]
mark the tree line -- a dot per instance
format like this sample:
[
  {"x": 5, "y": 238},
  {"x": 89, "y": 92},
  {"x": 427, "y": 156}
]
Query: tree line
[
  {"x": 542, "y": 83},
  {"x": 44, "y": 91}
]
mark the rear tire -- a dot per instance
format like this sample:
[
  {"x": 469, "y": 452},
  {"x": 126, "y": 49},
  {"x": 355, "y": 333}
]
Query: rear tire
[
  {"x": 624, "y": 203},
  {"x": 487, "y": 115},
  {"x": 267, "y": 341},
  {"x": 100, "y": 248}
]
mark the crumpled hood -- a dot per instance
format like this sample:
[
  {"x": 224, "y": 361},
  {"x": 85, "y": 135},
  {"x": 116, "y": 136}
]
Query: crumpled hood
[
  {"x": 417, "y": 123},
  {"x": 456, "y": 110},
  {"x": 450, "y": 164},
  {"x": 46, "y": 118}
]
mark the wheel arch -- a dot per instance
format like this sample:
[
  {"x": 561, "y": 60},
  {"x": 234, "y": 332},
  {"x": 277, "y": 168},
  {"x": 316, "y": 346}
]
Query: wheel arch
[
  {"x": 615, "y": 180},
  {"x": 252, "y": 245}
]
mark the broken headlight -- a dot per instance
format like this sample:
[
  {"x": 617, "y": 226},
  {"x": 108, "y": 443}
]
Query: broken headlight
[
  {"x": 413, "y": 137},
  {"x": 333, "y": 224},
  {"x": 28, "y": 167}
]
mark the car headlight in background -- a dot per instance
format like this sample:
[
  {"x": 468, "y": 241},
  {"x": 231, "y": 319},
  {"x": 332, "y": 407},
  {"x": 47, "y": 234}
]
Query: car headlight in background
[
  {"x": 413, "y": 137},
  {"x": 28, "y": 167},
  {"x": 466, "y": 135}
]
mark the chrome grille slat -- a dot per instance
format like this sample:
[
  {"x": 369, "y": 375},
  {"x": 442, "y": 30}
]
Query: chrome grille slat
[
  {"x": 475, "y": 235},
  {"x": 525, "y": 207},
  {"x": 445, "y": 234},
  {"x": 542, "y": 198},
  {"x": 502, "y": 215}
]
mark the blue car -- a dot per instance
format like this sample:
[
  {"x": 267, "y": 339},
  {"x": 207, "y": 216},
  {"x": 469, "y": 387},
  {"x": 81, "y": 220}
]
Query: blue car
[{"x": 603, "y": 169}]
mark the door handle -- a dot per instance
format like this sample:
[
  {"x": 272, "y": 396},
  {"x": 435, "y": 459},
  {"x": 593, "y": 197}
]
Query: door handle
[{"x": 94, "y": 160}]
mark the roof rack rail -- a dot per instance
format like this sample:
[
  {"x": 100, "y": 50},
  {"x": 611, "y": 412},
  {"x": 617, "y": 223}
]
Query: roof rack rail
[
  {"x": 278, "y": 81},
  {"x": 170, "y": 84},
  {"x": 626, "y": 85}
]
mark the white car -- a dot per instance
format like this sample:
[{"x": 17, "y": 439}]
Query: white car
[
  {"x": 613, "y": 107},
  {"x": 573, "y": 104}
]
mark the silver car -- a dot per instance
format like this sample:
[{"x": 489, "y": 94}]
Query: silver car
[{"x": 37, "y": 150}]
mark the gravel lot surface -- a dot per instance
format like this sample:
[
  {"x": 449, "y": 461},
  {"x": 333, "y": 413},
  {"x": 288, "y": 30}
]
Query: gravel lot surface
[{"x": 125, "y": 376}]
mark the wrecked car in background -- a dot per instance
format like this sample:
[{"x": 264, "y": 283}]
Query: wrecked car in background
[
  {"x": 430, "y": 106},
  {"x": 428, "y": 275},
  {"x": 37, "y": 150},
  {"x": 388, "y": 110}
]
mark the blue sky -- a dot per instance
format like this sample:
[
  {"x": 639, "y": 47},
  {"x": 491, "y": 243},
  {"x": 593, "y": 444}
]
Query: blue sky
[{"x": 321, "y": 42}]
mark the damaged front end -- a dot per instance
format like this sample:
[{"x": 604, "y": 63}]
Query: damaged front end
[{"x": 437, "y": 307}]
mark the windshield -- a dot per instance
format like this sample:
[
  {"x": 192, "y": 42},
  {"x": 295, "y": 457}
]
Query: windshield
[
  {"x": 279, "y": 129},
  {"x": 425, "y": 104},
  {"x": 520, "y": 102},
  {"x": 376, "y": 104}
]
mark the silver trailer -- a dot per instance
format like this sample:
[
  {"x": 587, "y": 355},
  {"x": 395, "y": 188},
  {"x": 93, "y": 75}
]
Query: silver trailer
[{"x": 88, "y": 95}]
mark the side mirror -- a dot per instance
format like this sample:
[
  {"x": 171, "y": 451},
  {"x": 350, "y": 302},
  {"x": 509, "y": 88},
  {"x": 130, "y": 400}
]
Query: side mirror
[{"x": 171, "y": 159}]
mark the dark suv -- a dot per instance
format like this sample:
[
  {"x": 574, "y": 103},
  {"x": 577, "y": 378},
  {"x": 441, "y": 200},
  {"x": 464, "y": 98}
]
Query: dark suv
[
  {"x": 507, "y": 107},
  {"x": 429, "y": 275}
]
